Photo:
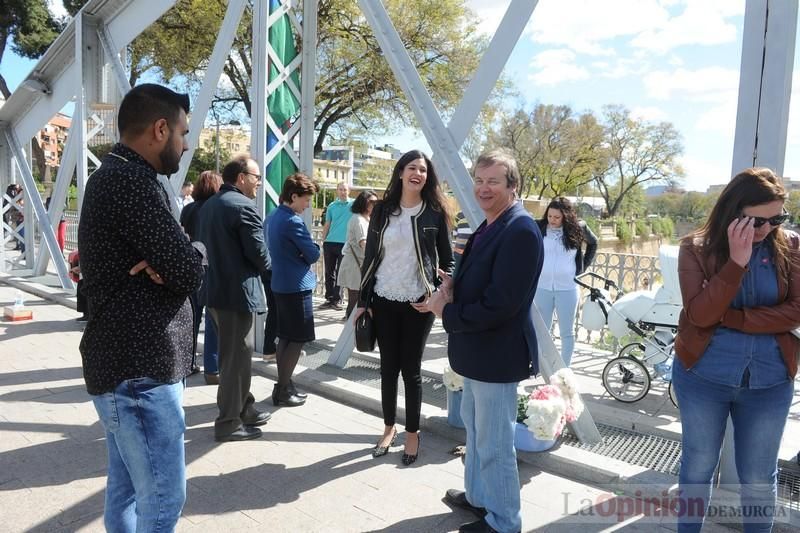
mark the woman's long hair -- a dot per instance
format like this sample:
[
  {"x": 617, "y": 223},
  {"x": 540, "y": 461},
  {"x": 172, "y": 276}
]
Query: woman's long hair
[
  {"x": 573, "y": 234},
  {"x": 431, "y": 191},
  {"x": 752, "y": 186}
]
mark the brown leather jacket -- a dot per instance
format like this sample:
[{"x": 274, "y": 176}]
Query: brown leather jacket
[{"x": 706, "y": 308}]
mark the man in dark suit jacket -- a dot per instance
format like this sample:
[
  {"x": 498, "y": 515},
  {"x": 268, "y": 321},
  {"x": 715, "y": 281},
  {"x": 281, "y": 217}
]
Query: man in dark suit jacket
[
  {"x": 486, "y": 310},
  {"x": 230, "y": 228}
]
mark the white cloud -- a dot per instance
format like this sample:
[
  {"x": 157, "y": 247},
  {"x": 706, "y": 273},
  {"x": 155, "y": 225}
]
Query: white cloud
[
  {"x": 584, "y": 25},
  {"x": 489, "y": 13},
  {"x": 702, "y": 22},
  {"x": 721, "y": 117},
  {"x": 700, "y": 172},
  {"x": 650, "y": 113},
  {"x": 661, "y": 84},
  {"x": 556, "y": 66}
]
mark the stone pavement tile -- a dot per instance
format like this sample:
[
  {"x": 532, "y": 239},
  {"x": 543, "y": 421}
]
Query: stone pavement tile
[
  {"x": 10, "y": 440},
  {"x": 227, "y": 522},
  {"x": 287, "y": 518},
  {"x": 73, "y": 504}
]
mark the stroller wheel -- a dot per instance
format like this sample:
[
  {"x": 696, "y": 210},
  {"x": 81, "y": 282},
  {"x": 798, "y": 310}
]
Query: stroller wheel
[{"x": 626, "y": 379}]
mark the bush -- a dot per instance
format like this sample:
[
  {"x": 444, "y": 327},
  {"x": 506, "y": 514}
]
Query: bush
[
  {"x": 642, "y": 229},
  {"x": 624, "y": 233},
  {"x": 594, "y": 224},
  {"x": 664, "y": 227}
]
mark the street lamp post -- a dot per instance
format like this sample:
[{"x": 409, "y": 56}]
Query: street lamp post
[{"x": 217, "y": 149}]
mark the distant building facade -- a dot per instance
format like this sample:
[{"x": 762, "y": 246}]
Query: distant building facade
[{"x": 53, "y": 137}]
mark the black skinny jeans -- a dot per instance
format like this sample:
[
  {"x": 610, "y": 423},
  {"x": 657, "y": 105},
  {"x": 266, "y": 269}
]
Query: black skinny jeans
[{"x": 402, "y": 332}]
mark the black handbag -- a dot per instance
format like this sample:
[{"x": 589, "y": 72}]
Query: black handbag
[{"x": 365, "y": 332}]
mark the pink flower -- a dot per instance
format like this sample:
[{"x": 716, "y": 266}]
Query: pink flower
[{"x": 545, "y": 392}]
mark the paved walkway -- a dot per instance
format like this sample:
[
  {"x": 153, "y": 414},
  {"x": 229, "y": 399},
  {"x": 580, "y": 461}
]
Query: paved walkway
[{"x": 312, "y": 470}]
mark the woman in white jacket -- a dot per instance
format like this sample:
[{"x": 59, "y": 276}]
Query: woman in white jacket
[{"x": 564, "y": 237}]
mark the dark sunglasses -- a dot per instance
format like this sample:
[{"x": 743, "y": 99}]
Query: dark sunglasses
[{"x": 777, "y": 220}]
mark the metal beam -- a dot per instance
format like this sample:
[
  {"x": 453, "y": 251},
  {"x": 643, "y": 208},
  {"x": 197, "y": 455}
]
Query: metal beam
[
  {"x": 26, "y": 110},
  {"x": 222, "y": 49},
  {"x": 762, "y": 116},
  {"x": 35, "y": 202},
  {"x": 308, "y": 82},
  {"x": 446, "y": 141},
  {"x": 421, "y": 103},
  {"x": 259, "y": 112},
  {"x": 112, "y": 55},
  {"x": 480, "y": 88},
  {"x": 58, "y": 197}
]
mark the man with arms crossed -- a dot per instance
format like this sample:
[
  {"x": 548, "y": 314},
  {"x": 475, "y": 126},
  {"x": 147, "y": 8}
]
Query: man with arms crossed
[{"x": 139, "y": 269}]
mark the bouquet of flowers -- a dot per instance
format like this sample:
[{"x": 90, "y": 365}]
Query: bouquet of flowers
[
  {"x": 549, "y": 407},
  {"x": 454, "y": 382}
]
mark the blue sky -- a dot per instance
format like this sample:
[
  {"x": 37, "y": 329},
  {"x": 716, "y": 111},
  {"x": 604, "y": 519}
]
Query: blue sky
[{"x": 675, "y": 60}]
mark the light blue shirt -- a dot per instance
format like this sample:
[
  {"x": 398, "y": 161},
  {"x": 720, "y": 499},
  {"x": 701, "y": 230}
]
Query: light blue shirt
[
  {"x": 338, "y": 214},
  {"x": 732, "y": 354}
]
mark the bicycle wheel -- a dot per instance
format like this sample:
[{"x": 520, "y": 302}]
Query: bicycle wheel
[
  {"x": 634, "y": 349},
  {"x": 672, "y": 396},
  {"x": 626, "y": 379}
]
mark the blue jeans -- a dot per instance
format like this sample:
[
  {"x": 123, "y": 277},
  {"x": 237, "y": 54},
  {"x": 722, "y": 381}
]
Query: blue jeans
[
  {"x": 564, "y": 303},
  {"x": 146, "y": 487},
  {"x": 758, "y": 416},
  {"x": 210, "y": 347},
  {"x": 491, "y": 478}
]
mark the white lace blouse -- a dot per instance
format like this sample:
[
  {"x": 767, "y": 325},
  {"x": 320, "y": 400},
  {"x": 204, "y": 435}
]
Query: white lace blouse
[{"x": 398, "y": 276}]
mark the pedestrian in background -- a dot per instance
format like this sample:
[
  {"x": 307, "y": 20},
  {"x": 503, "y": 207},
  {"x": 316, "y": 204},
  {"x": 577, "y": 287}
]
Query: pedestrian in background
[
  {"x": 334, "y": 234},
  {"x": 564, "y": 258},
  {"x": 353, "y": 255},
  {"x": 208, "y": 185}
]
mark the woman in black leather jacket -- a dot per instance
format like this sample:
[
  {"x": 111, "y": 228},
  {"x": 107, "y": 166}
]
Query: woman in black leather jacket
[{"x": 407, "y": 242}]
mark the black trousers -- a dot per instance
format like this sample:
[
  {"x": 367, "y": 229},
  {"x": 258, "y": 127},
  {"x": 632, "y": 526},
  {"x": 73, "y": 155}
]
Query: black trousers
[
  {"x": 235, "y": 364},
  {"x": 332, "y": 253},
  {"x": 402, "y": 332},
  {"x": 271, "y": 322}
]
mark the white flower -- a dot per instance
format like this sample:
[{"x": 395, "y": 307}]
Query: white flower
[
  {"x": 551, "y": 406},
  {"x": 566, "y": 381},
  {"x": 451, "y": 380},
  {"x": 546, "y": 417}
]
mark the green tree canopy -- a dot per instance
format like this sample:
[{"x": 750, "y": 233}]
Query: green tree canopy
[
  {"x": 636, "y": 152},
  {"x": 356, "y": 90},
  {"x": 556, "y": 149}
]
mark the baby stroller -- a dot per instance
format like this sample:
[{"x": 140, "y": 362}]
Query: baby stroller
[{"x": 651, "y": 315}]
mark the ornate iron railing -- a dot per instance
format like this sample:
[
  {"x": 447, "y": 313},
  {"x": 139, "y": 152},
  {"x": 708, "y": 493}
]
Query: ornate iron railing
[{"x": 631, "y": 272}]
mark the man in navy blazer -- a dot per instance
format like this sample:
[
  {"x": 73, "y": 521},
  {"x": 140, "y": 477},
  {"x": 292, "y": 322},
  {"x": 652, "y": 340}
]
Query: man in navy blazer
[
  {"x": 486, "y": 309},
  {"x": 230, "y": 228}
]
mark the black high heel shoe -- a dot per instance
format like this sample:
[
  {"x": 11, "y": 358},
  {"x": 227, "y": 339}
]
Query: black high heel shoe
[
  {"x": 380, "y": 451},
  {"x": 283, "y": 395},
  {"x": 408, "y": 458}
]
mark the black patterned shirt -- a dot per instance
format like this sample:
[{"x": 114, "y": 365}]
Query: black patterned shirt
[{"x": 136, "y": 328}]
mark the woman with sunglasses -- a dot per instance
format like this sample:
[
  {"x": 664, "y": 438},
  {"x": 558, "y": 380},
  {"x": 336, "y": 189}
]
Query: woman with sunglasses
[{"x": 740, "y": 282}]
